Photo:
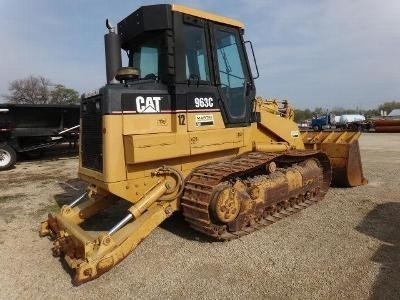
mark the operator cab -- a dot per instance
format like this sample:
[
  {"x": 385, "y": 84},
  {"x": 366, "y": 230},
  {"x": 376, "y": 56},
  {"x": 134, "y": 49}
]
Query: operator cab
[{"x": 196, "y": 58}]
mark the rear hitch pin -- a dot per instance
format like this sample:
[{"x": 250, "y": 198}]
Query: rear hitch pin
[
  {"x": 120, "y": 224},
  {"x": 76, "y": 201}
]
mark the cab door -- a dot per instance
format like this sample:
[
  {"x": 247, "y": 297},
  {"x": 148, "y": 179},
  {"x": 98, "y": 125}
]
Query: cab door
[{"x": 233, "y": 80}]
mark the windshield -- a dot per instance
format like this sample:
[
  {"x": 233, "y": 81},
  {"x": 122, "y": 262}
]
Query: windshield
[{"x": 144, "y": 56}]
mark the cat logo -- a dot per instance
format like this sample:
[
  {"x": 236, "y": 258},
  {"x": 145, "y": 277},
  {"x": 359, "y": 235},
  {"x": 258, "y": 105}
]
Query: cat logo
[{"x": 148, "y": 104}]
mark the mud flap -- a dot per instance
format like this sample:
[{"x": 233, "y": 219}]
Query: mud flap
[{"x": 343, "y": 151}]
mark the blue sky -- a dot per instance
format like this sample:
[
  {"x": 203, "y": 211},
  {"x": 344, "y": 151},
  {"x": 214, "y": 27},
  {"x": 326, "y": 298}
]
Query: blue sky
[{"x": 315, "y": 53}]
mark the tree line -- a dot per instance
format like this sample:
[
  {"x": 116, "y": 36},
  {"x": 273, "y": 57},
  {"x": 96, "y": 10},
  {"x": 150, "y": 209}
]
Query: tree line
[
  {"x": 301, "y": 115},
  {"x": 40, "y": 90}
]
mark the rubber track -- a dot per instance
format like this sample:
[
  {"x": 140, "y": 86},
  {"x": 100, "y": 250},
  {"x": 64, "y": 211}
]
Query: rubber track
[{"x": 200, "y": 185}]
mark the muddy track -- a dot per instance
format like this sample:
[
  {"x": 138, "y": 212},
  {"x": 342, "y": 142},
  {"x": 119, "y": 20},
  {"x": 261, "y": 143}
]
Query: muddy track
[{"x": 206, "y": 181}]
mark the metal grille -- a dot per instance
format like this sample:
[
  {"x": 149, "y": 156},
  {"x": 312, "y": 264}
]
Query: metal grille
[{"x": 92, "y": 136}]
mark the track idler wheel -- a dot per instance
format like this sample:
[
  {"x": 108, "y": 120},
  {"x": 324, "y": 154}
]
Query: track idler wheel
[{"x": 225, "y": 206}]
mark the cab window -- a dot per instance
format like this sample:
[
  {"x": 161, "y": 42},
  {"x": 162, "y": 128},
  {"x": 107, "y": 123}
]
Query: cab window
[
  {"x": 144, "y": 55},
  {"x": 231, "y": 72},
  {"x": 196, "y": 60}
]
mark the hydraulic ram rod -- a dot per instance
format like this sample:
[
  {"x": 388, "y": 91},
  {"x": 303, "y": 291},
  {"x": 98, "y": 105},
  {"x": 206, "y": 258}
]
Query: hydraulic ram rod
[{"x": 69, "y": 129}]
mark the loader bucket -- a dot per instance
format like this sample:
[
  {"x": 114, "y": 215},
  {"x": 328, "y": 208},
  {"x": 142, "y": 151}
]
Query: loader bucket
[{"x": 343, "y": 151}]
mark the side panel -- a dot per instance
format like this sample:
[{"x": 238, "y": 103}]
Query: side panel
[
  {"x": 146, "y": 123},
  {"x": 216, "y": 140},
  {"x": 111, "y": 157},
  {"x": 153, "y": 147}
]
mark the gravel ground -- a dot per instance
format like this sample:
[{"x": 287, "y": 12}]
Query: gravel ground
[{"x": 345, "y": 247}]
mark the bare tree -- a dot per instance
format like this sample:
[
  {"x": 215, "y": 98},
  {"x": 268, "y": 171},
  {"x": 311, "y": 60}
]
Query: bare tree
[
  {"x": 32, "y": 90},
  {"x": 40, "y": 90}
]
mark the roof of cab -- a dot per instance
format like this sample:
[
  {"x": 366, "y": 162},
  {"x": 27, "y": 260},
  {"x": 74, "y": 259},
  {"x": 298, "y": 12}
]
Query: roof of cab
[{"x": 206, "y": 15}]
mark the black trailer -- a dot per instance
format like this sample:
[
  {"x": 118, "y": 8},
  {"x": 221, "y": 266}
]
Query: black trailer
[{"x": 29, "y": 129}]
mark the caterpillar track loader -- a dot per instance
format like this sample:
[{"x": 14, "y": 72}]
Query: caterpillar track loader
[{"x": 181, "y": 129}]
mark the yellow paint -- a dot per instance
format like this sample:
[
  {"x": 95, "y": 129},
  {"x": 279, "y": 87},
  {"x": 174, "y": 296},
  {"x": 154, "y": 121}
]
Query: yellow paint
[
  {"x": 153, "y": 147},
  {"x": 146, "y": 123},
  {"x": 216, "y": 140},
  {"x": 206, "y": 15}
]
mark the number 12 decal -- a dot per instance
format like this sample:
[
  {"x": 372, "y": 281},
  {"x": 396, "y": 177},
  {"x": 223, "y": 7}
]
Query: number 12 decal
[{"x": 181, "y": 119}]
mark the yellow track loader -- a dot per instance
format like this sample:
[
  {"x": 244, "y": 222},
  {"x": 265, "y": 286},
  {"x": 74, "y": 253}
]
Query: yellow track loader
[{"x": 180, "y": 129}]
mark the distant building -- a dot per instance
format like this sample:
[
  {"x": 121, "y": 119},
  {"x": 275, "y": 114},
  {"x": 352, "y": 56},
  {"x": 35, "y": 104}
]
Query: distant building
[{"x": 394, "y": 113}]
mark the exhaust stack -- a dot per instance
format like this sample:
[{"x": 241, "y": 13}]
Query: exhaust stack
[{"x": 112, "y": 47}]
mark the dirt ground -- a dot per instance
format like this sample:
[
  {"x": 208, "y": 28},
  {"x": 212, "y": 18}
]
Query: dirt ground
[{"x": 345, "y": 247}]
